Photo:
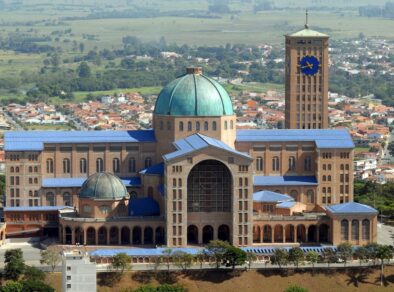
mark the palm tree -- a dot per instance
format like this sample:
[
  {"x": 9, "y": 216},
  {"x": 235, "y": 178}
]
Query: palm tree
[{"x": 383, "y": 252}]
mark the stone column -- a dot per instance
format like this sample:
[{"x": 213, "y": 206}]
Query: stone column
[
  {"x": 284, "y": 234},
  {"x": 272, "y": 234},
  {"x": 85, "y": 240},
  {"x": 306, "y": 233},
  {"x": 120, "y": 236},
  {"x": 317, "y": 233},
  {"x": 96, "y": 239},
  {"x": 199, "y": 235},
  {"x": 262, "y": 235},
  {"x": 295, "y": 234},
  {"x": 64, "y": 235},
  {"x": 73, "y": 236},
  {"x": 360, "y": 230},
  {"x": 107, "y": 236},
  {"x": 142, "y": 235}
]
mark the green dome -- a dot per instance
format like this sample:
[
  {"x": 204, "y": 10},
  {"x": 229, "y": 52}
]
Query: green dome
[
  {"x": 194, "y": 94},
  {"x": 103, "y": 186}
]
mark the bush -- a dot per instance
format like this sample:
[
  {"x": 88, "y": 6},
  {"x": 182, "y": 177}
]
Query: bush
[
  {"x": 160, "y": 288},
  {"x": 295, "y": 288}
]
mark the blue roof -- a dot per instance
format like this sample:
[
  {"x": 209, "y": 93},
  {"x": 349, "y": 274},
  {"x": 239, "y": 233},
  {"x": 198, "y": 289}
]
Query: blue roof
[
  {"x": 270, "y": 197},
  {"x": 35, "y": 140},
  {"x": 286, "y": 205},
  {"x": 141, "y": 251},
  {"x": 324, "y": 138},
  {"x": 76, "y": 182},
  {"x": 260, "y": 180},
  {"x": 37, "y": 208},
  {"x": 144, "y": 207},
  {"x": 157, "y": 169},
  {"x": 268, "y": 250},
  {"x": 351, "y": 207},
  {"x": 196, "y": 142}
]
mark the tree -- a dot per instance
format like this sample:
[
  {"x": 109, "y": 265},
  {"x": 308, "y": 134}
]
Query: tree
[
  {"x": 372, "y": 249},
  {"x": 36, "y": 286},
  {"x": 182, "y": 260},
  {"x": 200, "y": 256},
  {"x": 84, "y": 70},
  {"x": 167, "y": 253},
  {"x": 50, "y": 257},
  {"x": 14, "y": 264},
  {"x": 329, "y": 256},
  {"x": 216, "y": 249},
  {"x": 361, "y": 253},
  {"x": 33, "y": 274},
  {"x": 296, "y": 255},
  {"x": 233, "y": 256},
  {"x": 250, "y": 258},
  {"x": 12, "y": 286},
  {"x": 121, "y": 262},
  {"x": 383, "y": 252},
  {"x": 295, "y": 288},
  {"x": 345, "y": 251},
  {"x": 312, "y": 257},
  {"x": 281, "y": 257}
]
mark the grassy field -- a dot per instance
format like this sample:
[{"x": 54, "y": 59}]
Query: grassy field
[{"x": 253, "y": 281}]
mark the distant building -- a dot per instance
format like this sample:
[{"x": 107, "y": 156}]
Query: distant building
[{"x": 78, "y": 273}]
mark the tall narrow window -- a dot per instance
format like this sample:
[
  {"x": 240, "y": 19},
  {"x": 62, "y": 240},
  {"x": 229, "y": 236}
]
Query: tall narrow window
[
  {"x": 214, "y": 125},
  {"x": 148, "y": 162},
  {"x": 259, "y": 163},
  {"x": 231, "y": 125},
  {"x": 197, "y": 126},
  {"x": 225, "y": 125},
  {"x": 189, "y": 126},
  {"x": 310, "y": 196},
  {"x": 49, "y": 165},
  {"x": 275, "y": 163},
  {"x": 308, "y": 163},
  {"x": 82, "y": 165},
  {"x": 50, "y": 199},
  {"x": 99, "y": 165},
  {"x": 181, "y": 126},
  {"x": 67, "y": 199},
  {"x": 132, "y": 164},
  {"x": 292, "y": 163},
  {"x": 206, "y": 126},
  {"x": 66, "y": 165},
  {"x": 116, "y": 165}
]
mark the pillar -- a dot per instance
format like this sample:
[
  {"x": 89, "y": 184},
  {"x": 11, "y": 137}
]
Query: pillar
[
  {"x": 295, "y": 234},
  {"x": 199, "y": 235},
  {"x": 120, "y": 236},
  {"x": 142, "y": 235},
  {"x": 272, "y": 234},
  {"x": 64, "y": 235},
  {"x": 360, "y": 230},
  {"x": 107, "y": 235},
  {"x": 73, "y": 236},
  {"x": 85, "y": 240},
  {"x": 317, "y": 233},
  {"x": 262, "y": 234},
  {"x": 96, "y": 235},
  {"x": 306, "y": 233},
  {"x": 284, "y": 234}
]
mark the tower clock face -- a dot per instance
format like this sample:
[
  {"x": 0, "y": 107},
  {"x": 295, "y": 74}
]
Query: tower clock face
[{"x": 309, "y": 65}]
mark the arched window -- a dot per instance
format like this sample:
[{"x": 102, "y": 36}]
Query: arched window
[
  {"x": 82, "y": 165},
  {"x": 49, "y": 165},
  {"x": 329, "y": 190},
  {"x": 168, "y": 125},
  {"x": 35, "y": 168},
  {"x": 179, "y": 182},
  {"x": 206, "y": 126},
  {"x": 189, "y": 126},
  {"x": 99, "y": 165},
  {"x": 294, "y": 195},
  {"x": 197, "y": 126},
  {"x": 355, "y": 230},
  {"x": 231, "y": 125},
  {"x": 329, "y": 177},
  {"x": 67, "y": 199},
  {"x": 342, "y": 167},
  {"x": 310, "y": 196},
  {"x": 116, "y": 165},
  {"x": 174, "y": 182},
  {"x": 133, "y": 195},
  {"x": 150, "y": 192},
  {"x": 259, "y": 163},
  {"x": 17, "y": 169},
  {"x": 66, "y": 165},
  {"x": 50, "y": 199},
  {"x": 132, "y": 164},
  {"x": 181, "y": 126},
  {"x": 365, "y": 229},
  {"x": 324, "y": 190},
  {"x": 87, "y": 208},
  {"x": 12, "y": 169},
  {"x": 148, "y": 162},
  {"x": 214, "y": 125},
  {"x": 104, "y": 209},
  {"x": 225, "y": 125},
  {"x": 324, "y": 178},
  {"x": 292, "y": 163},
  {"x": 344, "y": 230},
  {"x": 36, "y": 180},
  {"x": 161, "y": 125},
  {"x": 275, "y": 163},
  {"x": 30, "y": 169}
]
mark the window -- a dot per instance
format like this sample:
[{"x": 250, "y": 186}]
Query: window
[
  {"x": 132, "y": 164},
  {"x": 214, "y": 126},
  {"x": 67, "y": 199},
  {"x": 344, "y": 229},
  {"x": 365, "y": 229},
  {"x": 148, "y": 162},
  {"x": 225, "y": 125},
  {"x": 275, "y": 163},
  {"x": 99, "y": 165},
  {"x": 30, "y": 169},
  {"x": 66, "y": 165},
  {"x": 50, "y": 197},
  {"x": 168, "y": 125},
  {"x": 116, "y": 165},
  {"x": 104, "y": 209},
  {"x": 308, "y": 163},
  {"x": 181, "y": 126},
  {"x": 310, "y": 198},
  {"x": 197, "y": 126},
  {"x": 259, "y": 163},
  {"x": 82, "y": 165},
  {"x": 87, "y": 208},
  {"x": 292, "y": 163},
  {"x": 355, "y": 230},
  {"x": 206, "y": 126},
  {"x": 49, "y": 165},
  {"x": 231, "y": 125},
  {"x": 189, "y": 126}
]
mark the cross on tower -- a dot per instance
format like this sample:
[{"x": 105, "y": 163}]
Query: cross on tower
[{"x": 306, "y": 19}]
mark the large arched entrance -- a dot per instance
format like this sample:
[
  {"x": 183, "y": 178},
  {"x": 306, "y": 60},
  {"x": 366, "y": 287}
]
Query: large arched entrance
[
  {"x": 91, "y": 236},
  {"x": 312, "y": 233},
  {"x": 207, "y": 234},
  {"x": 114, "y": 235},
  {"x": 79, "y": 236},
  {"x": 102, "y": 236},
  {"x": 301, "y": 233},
  {"x": 68, "y": 235},
  {"x": 256, "y": 234},
  {"x": 209, "y": 187},
  {"x": 289, "y": 233},
  {"x": 267, "y": 234},
  {"x": 160, "y": 238},
  {"x": 192, "y": 234},
  {"x": 224, "y": 233},
  {"x": 323, "y": 233},
  {"x": 278, "y": 233},
  {"x": 125, "y": 235},
  {"x": 148, "y": 235},
  {"x": 137, "y": 235}
]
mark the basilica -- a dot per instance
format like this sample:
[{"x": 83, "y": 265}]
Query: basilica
[{"x": 194, "y": 177}]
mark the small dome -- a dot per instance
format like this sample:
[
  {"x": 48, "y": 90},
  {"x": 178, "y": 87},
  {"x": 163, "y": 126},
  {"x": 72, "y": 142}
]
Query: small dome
[
  {"x": 194, "y": 94},
  {"x": 103, "y": 186}
]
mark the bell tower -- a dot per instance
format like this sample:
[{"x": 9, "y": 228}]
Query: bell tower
[{"x": 306, "y": 74}]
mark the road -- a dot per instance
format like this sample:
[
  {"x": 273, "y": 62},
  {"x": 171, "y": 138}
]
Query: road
[{"x": 386, "y": 157}]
